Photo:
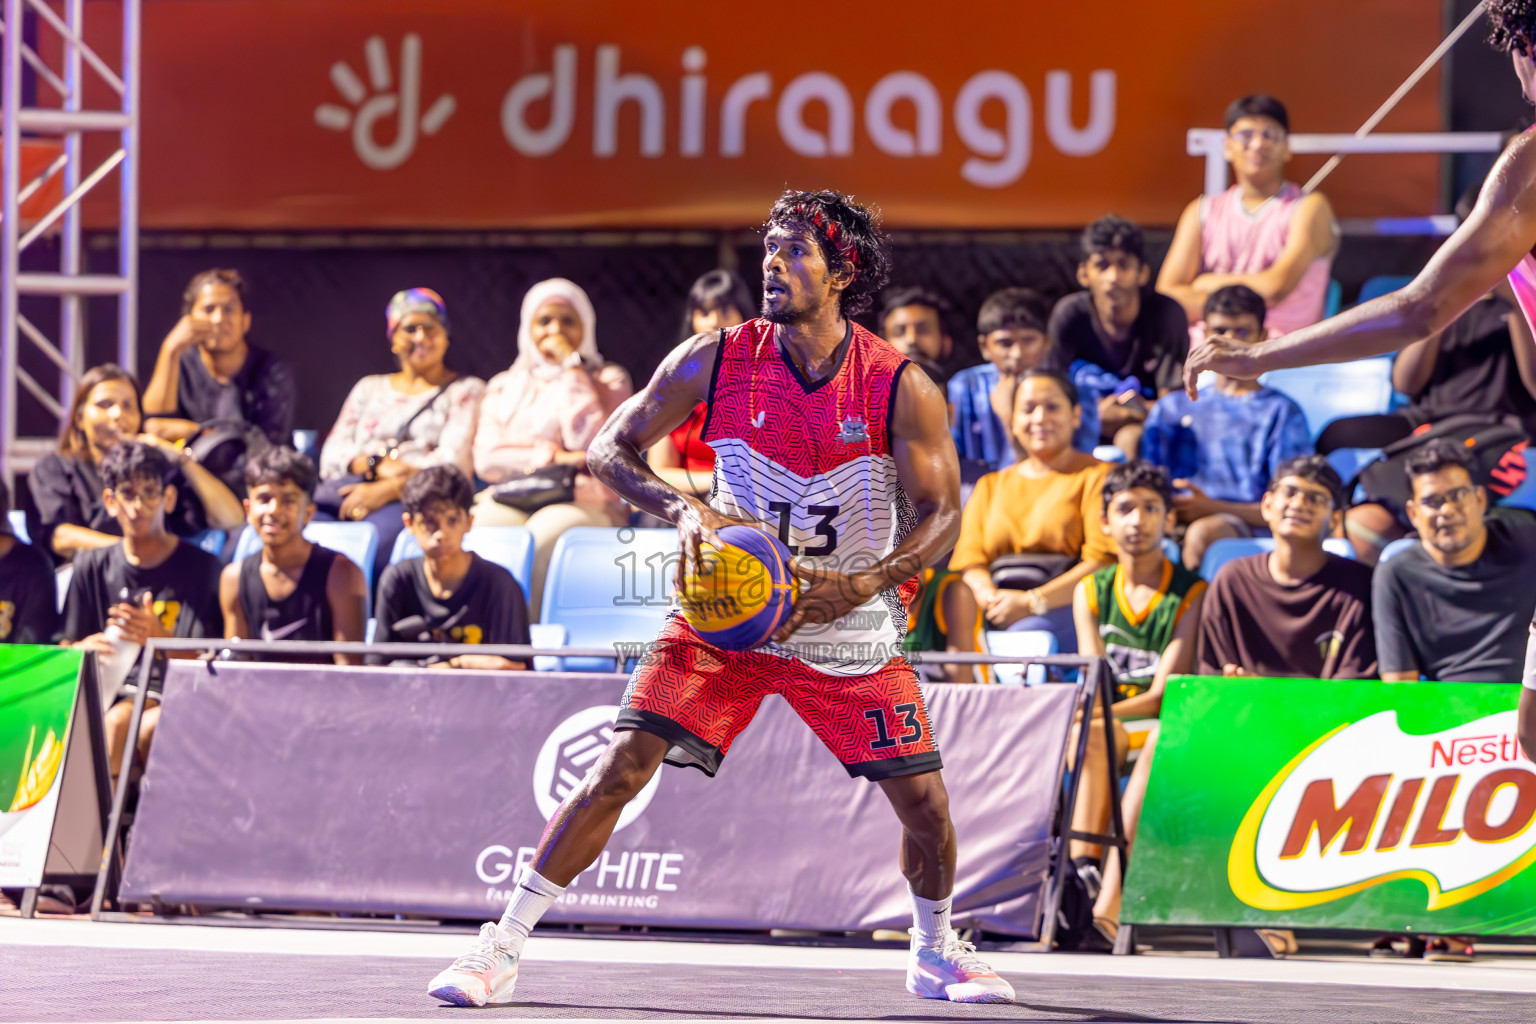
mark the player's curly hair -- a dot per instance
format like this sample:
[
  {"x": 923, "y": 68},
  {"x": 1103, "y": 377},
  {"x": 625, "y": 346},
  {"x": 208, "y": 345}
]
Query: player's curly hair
[
  {"x": 1514, "y": 25},
  {"x": 849, "y": 236}
]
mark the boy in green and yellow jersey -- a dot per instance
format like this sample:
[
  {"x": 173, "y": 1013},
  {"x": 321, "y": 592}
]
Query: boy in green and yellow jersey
[{"x": 1143, "y": 614}]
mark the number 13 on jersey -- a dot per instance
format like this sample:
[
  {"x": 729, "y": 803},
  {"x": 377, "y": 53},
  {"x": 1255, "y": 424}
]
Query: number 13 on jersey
[{"x": 823, "y": 527}]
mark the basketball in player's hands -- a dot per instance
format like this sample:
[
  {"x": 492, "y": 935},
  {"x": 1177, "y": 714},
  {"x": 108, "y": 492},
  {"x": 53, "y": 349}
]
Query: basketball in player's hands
[{"x": 740, "y": 594}]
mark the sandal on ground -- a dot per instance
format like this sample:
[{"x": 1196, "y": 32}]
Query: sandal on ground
[
  {"x": 1281, "y": 941},
  {"x": 1446, "y": 949},
  {"x": 1107, "y": 927},
  {"x": 1407, "y": 947}
]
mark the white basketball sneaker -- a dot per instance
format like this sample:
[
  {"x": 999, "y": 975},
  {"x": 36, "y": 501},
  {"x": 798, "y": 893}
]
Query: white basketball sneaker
[
  {"x": 485, "y": 974},
  {"x": 953, "y": 971}
]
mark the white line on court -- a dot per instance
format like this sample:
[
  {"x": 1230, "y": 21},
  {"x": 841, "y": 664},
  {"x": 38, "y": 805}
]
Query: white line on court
[{"x": 1508, "y": 976}]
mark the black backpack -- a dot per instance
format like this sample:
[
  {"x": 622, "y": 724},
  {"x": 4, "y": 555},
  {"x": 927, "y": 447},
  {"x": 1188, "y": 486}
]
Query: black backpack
[{"x": 1496, "y": 445}]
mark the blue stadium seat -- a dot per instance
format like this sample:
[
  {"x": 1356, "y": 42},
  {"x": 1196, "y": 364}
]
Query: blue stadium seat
[
  {"x": 1024, "y": 643},
  {"x": 358, "y": 541},
  {"x": 606, "y": 585},
  {"x": 1335, "y": 390},
  {"x": 510, "y": 547},
  {"x": 1171, "y": 550},
  {"x": 1396, "y": 548},
  {"x": 1376, "y": 287},
  {"x": 1335, "y": 300},
  {"x": 546, "y": 634},
  {"x": 1228, "y": 548},
  {"x": 18, "y": 520},
  {"x": 211, "y": 541}
]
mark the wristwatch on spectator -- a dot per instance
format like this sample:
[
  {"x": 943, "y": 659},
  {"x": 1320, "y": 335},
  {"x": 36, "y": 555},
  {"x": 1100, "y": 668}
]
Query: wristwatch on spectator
[
  {"x": 372, "y": 473},
  {"x": 1037, "y": 602}
]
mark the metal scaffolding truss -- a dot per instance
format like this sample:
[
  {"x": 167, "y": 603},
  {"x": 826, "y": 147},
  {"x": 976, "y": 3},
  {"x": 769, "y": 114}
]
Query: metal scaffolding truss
[{"x": 28, "y": 81}]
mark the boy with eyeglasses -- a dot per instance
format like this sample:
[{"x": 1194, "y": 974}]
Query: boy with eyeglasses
[
  {"x": 1458, "y": 607},
  {"x": 1263, "y": 232},
  {"x": 1224, "y": 450},
  {"x": 1298, "y": 610},
  {"x": 150, "y": 584}
]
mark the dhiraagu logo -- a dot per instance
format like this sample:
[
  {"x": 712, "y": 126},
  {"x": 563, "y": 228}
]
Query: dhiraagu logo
[
  {"x": 389, "y": 93},
  {"x": 1369, "y": 803}
]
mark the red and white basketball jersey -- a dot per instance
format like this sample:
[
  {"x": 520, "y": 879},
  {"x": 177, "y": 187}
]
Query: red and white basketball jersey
[{"x": 812, "y": 460}]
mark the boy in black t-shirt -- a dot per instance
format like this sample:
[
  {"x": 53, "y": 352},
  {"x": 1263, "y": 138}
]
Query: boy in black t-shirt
[
  {"x": 449, "y": 595},
  {"x": 150, "y": 584},
  {"x": 29, "y": 611},
  {"x": 1120, "y": 325},
  {"x": 292, "y": 590}
]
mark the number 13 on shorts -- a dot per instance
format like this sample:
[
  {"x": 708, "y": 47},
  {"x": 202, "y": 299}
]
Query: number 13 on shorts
[{"x": 907, "y": 727}]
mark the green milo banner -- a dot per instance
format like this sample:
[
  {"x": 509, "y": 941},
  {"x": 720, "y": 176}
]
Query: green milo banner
[
  {"x": 1338, "y": 804},
  {"x": 37, "y": 698}
]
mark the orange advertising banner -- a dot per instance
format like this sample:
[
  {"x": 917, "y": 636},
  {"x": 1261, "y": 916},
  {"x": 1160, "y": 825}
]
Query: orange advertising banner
[{"x": 477, "y": 114}]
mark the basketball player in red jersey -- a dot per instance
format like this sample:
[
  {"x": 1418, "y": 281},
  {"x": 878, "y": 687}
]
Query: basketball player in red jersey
[
  {"x": 828, "y": 436},
  {"x": 1497, "y": 240}
]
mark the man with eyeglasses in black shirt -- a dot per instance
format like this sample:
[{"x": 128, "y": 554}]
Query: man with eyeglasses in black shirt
[{"x": 1458, "y": 607}]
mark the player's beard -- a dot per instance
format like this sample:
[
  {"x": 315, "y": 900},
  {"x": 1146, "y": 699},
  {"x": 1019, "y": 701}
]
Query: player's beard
[{"x": 784, "y": 315}]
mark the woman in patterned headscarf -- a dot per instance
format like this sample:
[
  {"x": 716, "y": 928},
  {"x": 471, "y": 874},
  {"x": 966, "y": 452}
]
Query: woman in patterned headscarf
[
  {"x": 545, "y": 410},
  {"x": 393, "y": 424}
]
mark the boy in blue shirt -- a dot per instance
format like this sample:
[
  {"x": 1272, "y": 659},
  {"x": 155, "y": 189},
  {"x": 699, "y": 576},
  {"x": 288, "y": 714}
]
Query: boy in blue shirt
[
  {"x": 1011, "y": 332},
  {"x": 1223, "y": 450}
]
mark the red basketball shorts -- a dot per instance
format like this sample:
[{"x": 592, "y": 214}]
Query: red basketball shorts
[{"x": 699, "y": 698}]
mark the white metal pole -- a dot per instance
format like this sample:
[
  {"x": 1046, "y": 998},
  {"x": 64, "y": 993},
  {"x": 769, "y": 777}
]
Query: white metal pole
[
  {"x": 10, "y": 229},
  {"x": 128, "y": 214},
  {"x": 71, "y": 307}
]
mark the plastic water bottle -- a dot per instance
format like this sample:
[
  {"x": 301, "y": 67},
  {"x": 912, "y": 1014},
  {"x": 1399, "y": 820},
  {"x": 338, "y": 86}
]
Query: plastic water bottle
[{"x": 113, "y": 669}]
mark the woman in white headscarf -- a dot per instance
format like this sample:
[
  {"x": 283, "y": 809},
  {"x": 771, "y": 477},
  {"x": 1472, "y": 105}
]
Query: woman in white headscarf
[{"x": 545, "y": 410}]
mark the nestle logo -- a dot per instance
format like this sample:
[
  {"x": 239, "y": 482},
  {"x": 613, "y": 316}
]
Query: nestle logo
[{"x": 1492, "y": 748}]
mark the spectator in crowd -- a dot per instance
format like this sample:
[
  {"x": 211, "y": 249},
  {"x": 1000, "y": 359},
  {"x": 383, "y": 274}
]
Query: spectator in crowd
[
  {"x": 1224, "y": 449},
  {"x": 543, "y": 412},
  {"x": 1143, "y": 615},
  {"x": 395, "y": 424},
  {"x": 1484, "y": 362},
  {"x": 718, "y": 299},
  {"x": 449, "y": 595},
  {"x": 1030, "y": 532},
  {"x": 1297, "y": 610},
  {"x": 1458, "y": 607},
  {"x": 209, "y": 381},
  {"x": 915, "y": 321},
  {"x": 67, "y": 486},
  {"x": 292, "y": 589},
  {"x": 1263, "y": 232},
  {"x": 1122, "y": 327},
  {"x": 29, "y": 610},
  {"x": 1011, "y": 331},
  {"x": 148, "y": 584}
]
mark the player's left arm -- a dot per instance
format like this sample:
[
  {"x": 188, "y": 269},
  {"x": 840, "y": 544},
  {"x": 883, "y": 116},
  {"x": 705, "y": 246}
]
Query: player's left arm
[
  {"x": 1497, "y": 235},
  {"x": 929, "y": 471}
]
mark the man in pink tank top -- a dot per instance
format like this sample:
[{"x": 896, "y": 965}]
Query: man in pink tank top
[
  {"x": 1263, "y": 232},
  {"x": 1494, "y": 242}
]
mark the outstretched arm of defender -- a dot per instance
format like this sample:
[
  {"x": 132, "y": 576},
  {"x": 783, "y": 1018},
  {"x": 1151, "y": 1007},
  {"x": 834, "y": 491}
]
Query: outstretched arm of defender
[
  {"x": 1498, "y": 234},
  {"x": 929, "y": 470}
]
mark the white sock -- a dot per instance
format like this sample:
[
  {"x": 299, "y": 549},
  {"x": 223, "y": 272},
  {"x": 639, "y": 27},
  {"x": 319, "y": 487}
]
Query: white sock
[
  {"x": 533, "y": 895},
  {"x": 930, "y": 920}
]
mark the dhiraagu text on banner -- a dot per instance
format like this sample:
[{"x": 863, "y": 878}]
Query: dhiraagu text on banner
[
  {"x": 37, "y": 696},
  {"x": 1338, "y": 804}
]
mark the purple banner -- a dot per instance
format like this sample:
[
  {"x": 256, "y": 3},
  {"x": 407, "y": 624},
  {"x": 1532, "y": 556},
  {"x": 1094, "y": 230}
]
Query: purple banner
[{"x": 407, "y": 791}]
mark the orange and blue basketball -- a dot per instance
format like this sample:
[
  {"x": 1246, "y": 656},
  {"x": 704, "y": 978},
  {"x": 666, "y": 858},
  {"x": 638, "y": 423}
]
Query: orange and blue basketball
[{"x": 742, "y": 594}]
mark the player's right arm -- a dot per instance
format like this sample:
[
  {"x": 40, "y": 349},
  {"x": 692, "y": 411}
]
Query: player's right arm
[
  {"x": 1499, "y": 233},
  {"x": 679, "y": 383}
]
